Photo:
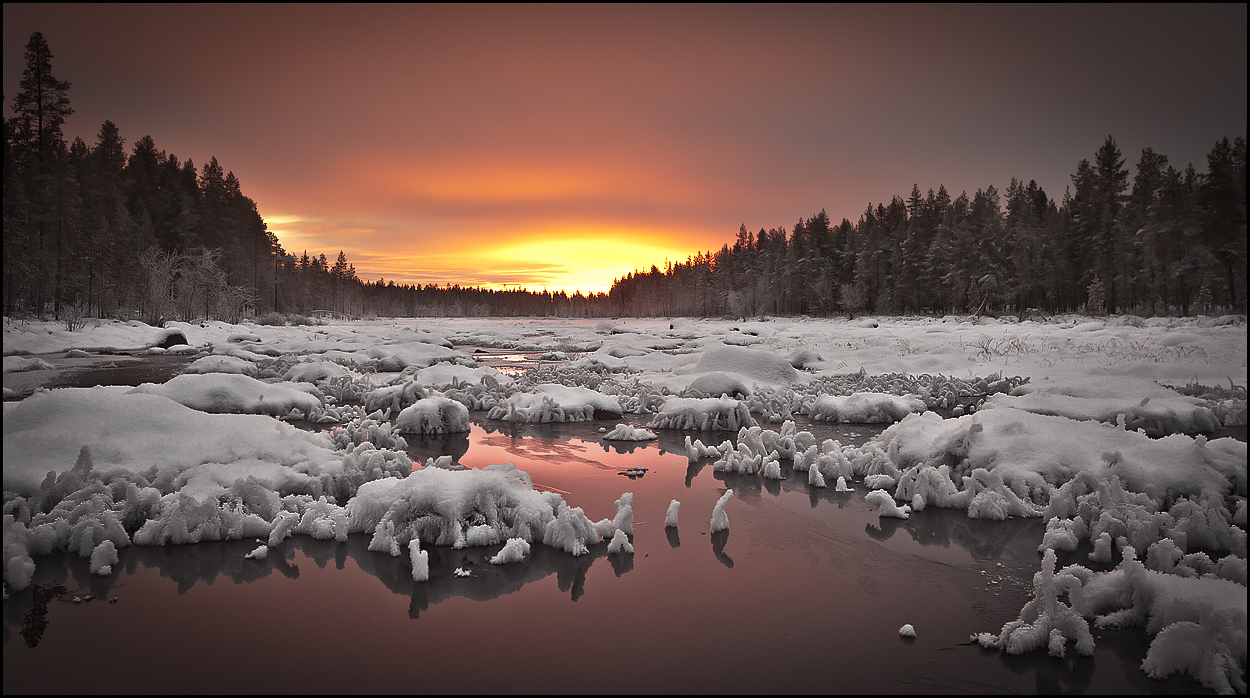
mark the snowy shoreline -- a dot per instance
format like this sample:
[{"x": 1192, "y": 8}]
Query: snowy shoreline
[{"x": 1092, "y": 425}]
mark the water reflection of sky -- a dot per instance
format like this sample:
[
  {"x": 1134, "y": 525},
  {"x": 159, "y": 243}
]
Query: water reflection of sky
[{"x": 804, "y": 593}]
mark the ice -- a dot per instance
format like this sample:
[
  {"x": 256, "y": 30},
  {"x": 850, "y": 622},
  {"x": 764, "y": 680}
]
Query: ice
[
  {"x": 260, "y": 552},
  {"x": 433, "y": 415},
  {"x": 1207, "y": 650},
  {"x": 720, "y": 520},
  {"x": 907, "y": 631}
]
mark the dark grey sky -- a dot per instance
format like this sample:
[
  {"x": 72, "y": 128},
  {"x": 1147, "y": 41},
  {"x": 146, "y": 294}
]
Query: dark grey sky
[{"x": 563, "y": 145}]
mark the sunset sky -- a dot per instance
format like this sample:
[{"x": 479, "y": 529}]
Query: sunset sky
[{"x": 562, "y": 146}]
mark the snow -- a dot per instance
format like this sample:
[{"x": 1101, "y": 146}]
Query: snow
[
  {"x": 443, "y": 375},
  {"x": 515, "y": 550},
  {"x": 221, "y": 364},
  {"x": 865, "y": 408},
  {"x": 1103, "y": 442},
  {"x": 420, "y": 561},
  {"x": 670, "y": 516},
  {"x": 555, "y": 403},
  {"x": 433, "y": 415},
  {"x": 881, "y": 502},
  {"x": 702, "y": 414},
  {"x": 624, "y": 432},
  {"x": 620, "y": 543},
  {"x": 720, "y": 520},
  {"x": 315, "y": 372},
  {"x": 140, "y": 433},
  {"x": 13, "y": 364},
  {"x": 1138, "y": 404},
  {"x": 103, "y": 557},
  {"x": 907, "y": 631},
  {"x": 234, "y": 393}
]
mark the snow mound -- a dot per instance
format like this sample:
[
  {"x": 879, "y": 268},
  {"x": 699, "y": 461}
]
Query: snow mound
[
  {"x": 14, "y": 364},
  {"x": 881, "y": 502},
  {"x": 221, "y": 364},
  {"x": 755, "y": 367},
  {"x": 433, "y": 415},
  {"x": 471, "y": 507},
  {"x": 703, "y": 414},
  {"x": 445, "y": 375},
  {"x": 315, "y": 372},
  {"x": 624, "y": 432},
  {"x": 555, "y": 403},
  {"x": 1135, "y": 403},
  {"x": 234, "y": 394},
  {"x": 515, "y": 550},
  {"x": 139, "y": 434},
  {"x": 865, "y": 408}
]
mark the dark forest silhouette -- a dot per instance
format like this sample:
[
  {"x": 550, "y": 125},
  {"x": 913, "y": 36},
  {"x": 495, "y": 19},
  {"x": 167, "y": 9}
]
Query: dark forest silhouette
[{"x": 91, "y": 231}]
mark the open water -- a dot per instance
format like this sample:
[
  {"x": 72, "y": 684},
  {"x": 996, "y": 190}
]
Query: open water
[{"x": 805, "y": 592}]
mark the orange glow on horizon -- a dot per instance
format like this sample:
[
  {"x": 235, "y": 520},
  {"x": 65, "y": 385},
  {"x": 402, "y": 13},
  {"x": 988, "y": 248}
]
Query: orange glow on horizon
[{"x": 562, "y": 257}]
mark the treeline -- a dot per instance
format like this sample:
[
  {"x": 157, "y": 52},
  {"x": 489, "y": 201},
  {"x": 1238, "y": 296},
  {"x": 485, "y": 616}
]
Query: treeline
[
  {"x": 1171, "y": 242},
  {"x": 90, "y": 229},
  {"x": 94, "y": 230}
]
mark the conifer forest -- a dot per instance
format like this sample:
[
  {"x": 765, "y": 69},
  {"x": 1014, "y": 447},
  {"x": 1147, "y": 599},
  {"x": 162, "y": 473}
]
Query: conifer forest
[{"x": 121, "y": 228}]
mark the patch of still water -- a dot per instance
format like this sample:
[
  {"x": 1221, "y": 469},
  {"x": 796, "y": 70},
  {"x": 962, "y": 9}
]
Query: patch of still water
[{"x": 805, "y": 592}]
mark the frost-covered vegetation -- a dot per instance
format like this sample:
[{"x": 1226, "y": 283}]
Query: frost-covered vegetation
[{"x": 1102, "y": 429}]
